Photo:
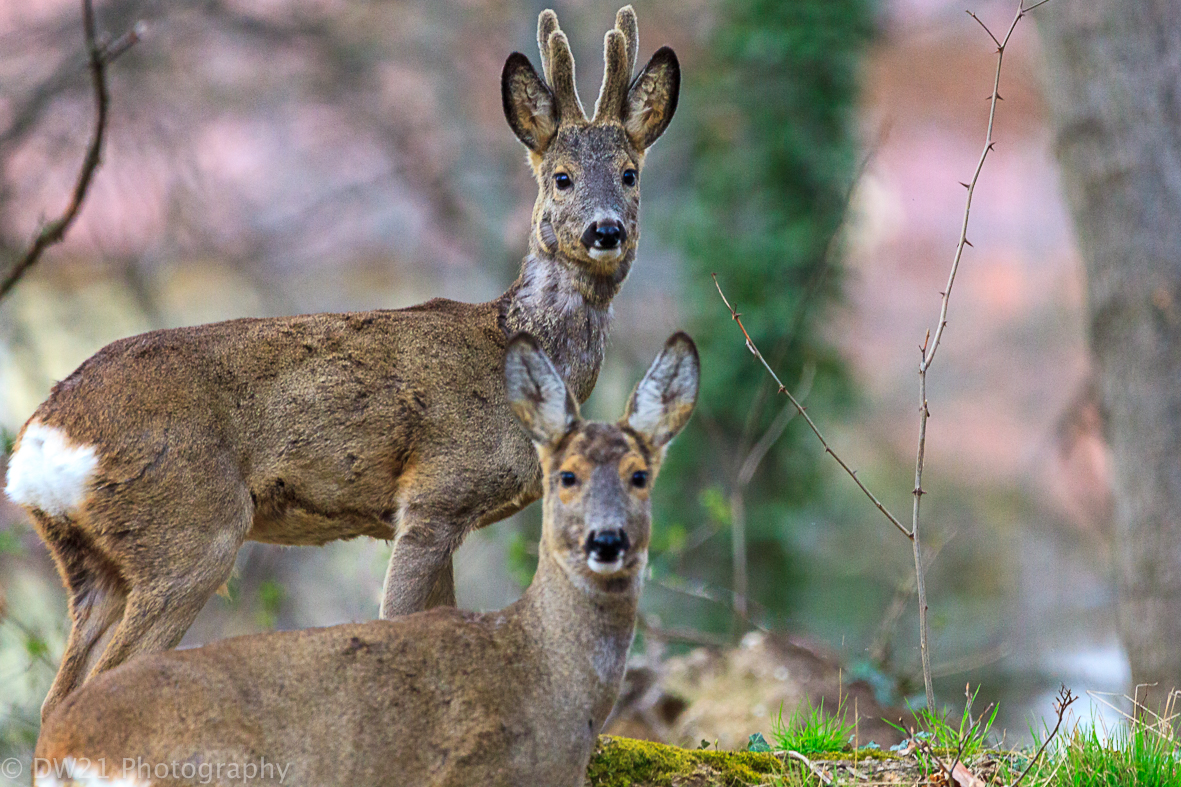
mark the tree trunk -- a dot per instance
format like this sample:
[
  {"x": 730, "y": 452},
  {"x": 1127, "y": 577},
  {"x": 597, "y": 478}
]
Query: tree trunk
[{"x": 1114, "y": 88}]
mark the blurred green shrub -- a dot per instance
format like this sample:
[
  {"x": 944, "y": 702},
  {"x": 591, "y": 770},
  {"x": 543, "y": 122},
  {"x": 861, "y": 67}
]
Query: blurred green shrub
[{"x": 773, "y": 156}]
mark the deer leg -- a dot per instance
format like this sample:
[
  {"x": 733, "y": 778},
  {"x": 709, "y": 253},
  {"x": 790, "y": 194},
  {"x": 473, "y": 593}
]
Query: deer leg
[
  {"x": 94, "y": 605},
  {"x": 443, "y": 592},
  {"x": 157, "y": 615},
  {"x": 420, "y": 573}
]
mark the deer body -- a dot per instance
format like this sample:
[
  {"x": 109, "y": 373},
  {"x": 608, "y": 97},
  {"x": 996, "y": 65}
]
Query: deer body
[
  {"x": 147, "y": 468},
  {"x": 441, "y": 697}
]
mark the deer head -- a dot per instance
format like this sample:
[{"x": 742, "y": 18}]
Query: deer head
[
  {"x": 597, "y": 514},
  {"x": 588, "y": 171}
]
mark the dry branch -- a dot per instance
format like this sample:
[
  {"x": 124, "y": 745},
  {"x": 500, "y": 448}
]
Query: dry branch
[
  {"x": 929, "y": 348},
  {"x": 1065, "y": 699},
  {"x": 99, "y": 56},
  {"x": 750, "y": 345}
]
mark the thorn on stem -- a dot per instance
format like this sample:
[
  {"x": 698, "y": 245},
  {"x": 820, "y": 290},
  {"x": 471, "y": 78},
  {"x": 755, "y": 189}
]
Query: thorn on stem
[
  {"x": 969, "y": 243},
  {"x": 965, "y": 185}
]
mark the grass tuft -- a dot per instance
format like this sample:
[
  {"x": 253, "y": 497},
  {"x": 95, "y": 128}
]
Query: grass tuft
[{"x": 808, "y": 730}]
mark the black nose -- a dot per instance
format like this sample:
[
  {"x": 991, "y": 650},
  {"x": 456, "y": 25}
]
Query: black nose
[
  {"x": 606, "y": 234},
  {"x": 606, "y": 546}
]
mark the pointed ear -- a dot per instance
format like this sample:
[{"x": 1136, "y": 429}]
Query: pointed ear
[
  {"x": 663, "y": 401},
  {"x": 529, "y": 105},
  {"x": 537, "y": 392},
  {"x": 652, "y": 99}
]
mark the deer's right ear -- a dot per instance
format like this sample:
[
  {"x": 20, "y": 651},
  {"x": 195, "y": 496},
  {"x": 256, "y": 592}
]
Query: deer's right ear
[
  {"x": 652, "y": 99},
  {"x": 537, "y": 392},
  {"x": 529, "y": 105},
  {"x": 661, "y": 405}
]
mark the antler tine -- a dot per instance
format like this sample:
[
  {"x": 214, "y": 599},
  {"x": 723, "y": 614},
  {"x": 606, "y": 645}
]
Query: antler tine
[
  {"x": 547, "y": 23},
  {"x": 625, "y": 22},
  {"x": 561, "y": 61},
  {"x": 616, "y": 77}
]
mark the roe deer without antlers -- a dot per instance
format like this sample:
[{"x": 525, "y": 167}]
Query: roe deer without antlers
[
  {"x": 146, "y": 469},
  {"x": 442, "y": 697}
]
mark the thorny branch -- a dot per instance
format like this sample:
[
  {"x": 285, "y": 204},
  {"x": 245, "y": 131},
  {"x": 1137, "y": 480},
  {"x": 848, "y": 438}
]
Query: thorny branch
[
  {"x": 929, "y": 348},
  {"x": 1064, "y": 700},
  {"x": 100, "y": 56},
  {"x": 750, "y": 345}
]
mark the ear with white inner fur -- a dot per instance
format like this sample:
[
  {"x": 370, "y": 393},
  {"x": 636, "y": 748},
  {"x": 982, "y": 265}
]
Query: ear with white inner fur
[
  {"x": 663, "y": 401},
  {"x": 529, "y": 105},
  {"x": 652, "y": 99},
  {"x": 536, "y": 391}
]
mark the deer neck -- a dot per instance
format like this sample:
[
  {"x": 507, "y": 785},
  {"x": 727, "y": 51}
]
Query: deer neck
[
  {"x": 586, "y": 634},
  {"x": 567, "y": 309}
]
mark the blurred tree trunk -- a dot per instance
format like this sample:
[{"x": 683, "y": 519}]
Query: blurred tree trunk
[{"x": 1114, "y": 87}]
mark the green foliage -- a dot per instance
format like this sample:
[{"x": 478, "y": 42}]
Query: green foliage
[
  {"x": 769, "y": 123},
  {"x": 1131, "y": 755},
  {"x": 10, "y": 543},
  {"x": 810, "y": 731},
  {"x": 947, "y": 732},
  {"x": 7, "y": 441},
  {"x": 270, "y": 599},
  {"x": 757, "y": 743}
]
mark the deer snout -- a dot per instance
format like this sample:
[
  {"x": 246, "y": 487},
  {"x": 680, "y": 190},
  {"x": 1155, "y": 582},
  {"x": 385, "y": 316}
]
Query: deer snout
[
  {"x": 604, "y": 235},
  {"x": 605, "y": 550}
]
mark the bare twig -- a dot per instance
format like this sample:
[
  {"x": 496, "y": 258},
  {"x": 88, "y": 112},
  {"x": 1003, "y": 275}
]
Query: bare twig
[
  {"x": 927, "y": 356},
  {"x": 54, "y": 231},
  {"x": 746, "y": 472},
  {"x": 821, "y": 775},
  {"x": 1065, "y": 699},
  {"x": 931, "y": 346},
  {"x": 750, "y": 345},
  {"x": 679, "y": 634}
]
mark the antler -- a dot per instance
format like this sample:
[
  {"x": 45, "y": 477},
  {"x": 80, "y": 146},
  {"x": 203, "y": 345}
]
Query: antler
[
  {"x": 547, "y": 24},
  {"x": 619, "y": 61},
  {"x": 557, "y": 66}
]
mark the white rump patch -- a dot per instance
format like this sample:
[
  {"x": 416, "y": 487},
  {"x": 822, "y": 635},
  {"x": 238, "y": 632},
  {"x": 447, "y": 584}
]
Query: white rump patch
[
  {"x": 68, "y": 773},
  {"x": 48, "y": 472}
]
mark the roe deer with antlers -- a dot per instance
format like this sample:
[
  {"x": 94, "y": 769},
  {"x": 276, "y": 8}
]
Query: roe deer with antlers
[
  {"x": 442, "y": 697},
  {"x": 146, "y": 469}
]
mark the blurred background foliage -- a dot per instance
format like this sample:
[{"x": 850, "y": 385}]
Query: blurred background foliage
[
  {"x": 318, "y": 155},
  {"x": 773, "y": 148}
]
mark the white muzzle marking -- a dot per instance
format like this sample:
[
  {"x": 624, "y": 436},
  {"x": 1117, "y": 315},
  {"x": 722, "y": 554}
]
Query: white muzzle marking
[
  {"x": 48, "y": 472},
  {"x": 599, "y": 567},
  {"x": 606, "y": 255}
]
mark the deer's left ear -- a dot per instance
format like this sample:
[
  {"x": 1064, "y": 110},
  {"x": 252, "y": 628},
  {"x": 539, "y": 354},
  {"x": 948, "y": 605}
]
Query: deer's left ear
[
  {"x": 661, "y": 405},
  {"x": 529, "y": 106},
  {"x": 652, "y": 99}
]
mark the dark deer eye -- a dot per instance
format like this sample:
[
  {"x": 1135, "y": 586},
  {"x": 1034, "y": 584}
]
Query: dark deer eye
[
  {"x": 562, "y": 181},
  {"x": 629, "y": 177},
  {"x": 567, "y": 478},
  {"x": 640, "y": 479}
]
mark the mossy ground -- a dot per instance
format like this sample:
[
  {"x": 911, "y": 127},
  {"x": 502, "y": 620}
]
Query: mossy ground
[{"x": 624, "y": 762}]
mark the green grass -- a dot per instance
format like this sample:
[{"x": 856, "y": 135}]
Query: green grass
[
  {"x": 1131, "y": 755},
  {"x": 950, "y": 732},
  {"x": 808, "y": 730}
]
